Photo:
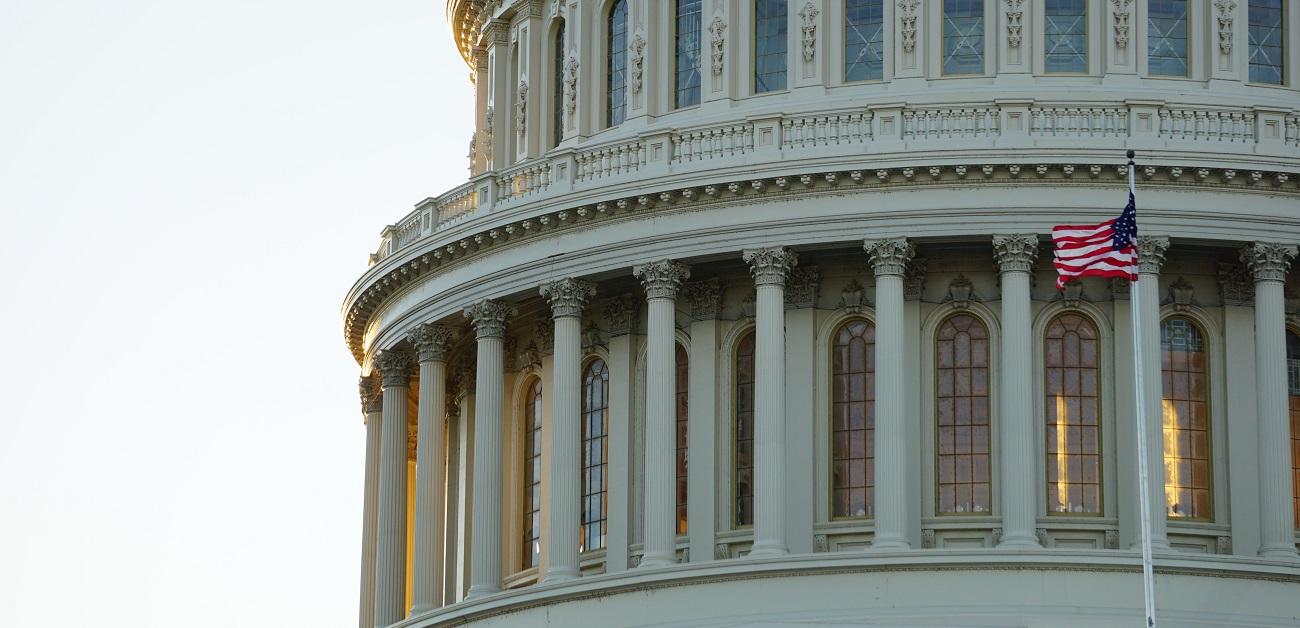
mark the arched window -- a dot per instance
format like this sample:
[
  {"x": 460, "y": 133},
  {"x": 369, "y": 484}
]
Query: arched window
[
  {"x": 683, "y": 414},
  {"x": 963, "y": 37},
  {"x": 532, "y": 548},
  {"x": 1073, "y": 425},
  {"x": 864, "y": 40},
  {"x": 1267, "y": 37},
  {"x": 1293, "y": 392},
  {"x": 689, "y": 30},
  {"x": 1065, "y": 36},
  {"x": 743, "y": 434},
  {"x": 853, "y": 420},
  {"x": 1167, "y": 38},
  {"x": 770, "y": 27},
  {"x": 595, "y": 426},
  {"x": 962, "y": 411},
  {"x": 616, "y": 64},
  {"x": 1185, "y": 409},
  {"x": 557, "y": 87}
]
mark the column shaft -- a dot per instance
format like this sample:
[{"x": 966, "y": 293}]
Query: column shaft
[
  {"x": 485, "y": 552},
  {"x": 1149, "y": 294},
  {"x": 769, "y": 422},
  {"x": 566, "y": 466},
  {"x": 1016, "y": 255},
  {"x": 660, "y": 436},
  {"x": 891, "y": 456},
  {"x": 369, "y": 519},
  {"x": 430, "y": 478},
  {"x": 390, "y": 555}
]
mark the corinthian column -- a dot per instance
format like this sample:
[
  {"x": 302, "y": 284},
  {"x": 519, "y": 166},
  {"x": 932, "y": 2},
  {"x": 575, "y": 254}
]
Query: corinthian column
[
  {"x": 889, "y": 260},
  {"x": 1151, "y": 256},
  {"x": 489, "y": 319},
  {"x": 430, "y": 342},
  {"x": 661, "y": 280},
  {"x": 567, "y": 298},
  {"x": 390, "y": 555},
  {"x": 1015, "y": 255},
  {"x": 372, "y": 407},
  {"x": 770, "y": 268},
  {"x": 1268, "y": 261}
]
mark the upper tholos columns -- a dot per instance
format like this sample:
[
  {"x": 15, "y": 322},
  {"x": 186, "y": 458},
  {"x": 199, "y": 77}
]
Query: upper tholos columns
[
  {"x": 372, "y": 405},
  {"x": 661, "y": 280},
  {"x": 567, "y": 298},
  {"x": 889, "y": 259},
  {"x": 489, "y": 319},
  {"x": 1151, "y": 256},
  {"x": 770, "y": 267},
  {"x": 1015, "y": 255},
  {"x": 431, "y": 342},
  {"x": 390, "y": 553},
  {"x": 1268, "y": 262}
]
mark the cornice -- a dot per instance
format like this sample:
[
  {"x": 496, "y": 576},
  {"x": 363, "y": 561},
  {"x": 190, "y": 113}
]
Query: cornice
[{"x": 394, "y": 274}]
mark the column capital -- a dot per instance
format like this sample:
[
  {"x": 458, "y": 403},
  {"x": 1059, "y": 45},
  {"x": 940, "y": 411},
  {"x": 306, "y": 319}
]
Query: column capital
[
  {"x": 1015, "y": 252},
  {"x": 567, "y": 296},
  {"x": 1151, "y": 253},
  {"x": 661, "y": 279},
  {"x": 395, "y": 367},
  {"x": 1268, "y": 261},
  {"x": 431, "y": 341},
  {"x": 489, "y": 318},
  {"x": 372, "y": 396},
  {"x": 705, "y": 298},
  {"x": 770, "y": 266},
  {"x": 889, "y": 256}
]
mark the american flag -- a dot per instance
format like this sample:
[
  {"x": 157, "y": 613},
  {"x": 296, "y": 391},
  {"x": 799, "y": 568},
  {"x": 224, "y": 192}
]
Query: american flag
[{"x": 1104, "y": 250}]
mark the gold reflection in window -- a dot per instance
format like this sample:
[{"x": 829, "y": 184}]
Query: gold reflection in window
[
  {"x": 683, "y": 415},
  {"x": 1185, "y": 414},
  {"x": 1293, "y": 397},
  {"x": 1073, "y": 427}
]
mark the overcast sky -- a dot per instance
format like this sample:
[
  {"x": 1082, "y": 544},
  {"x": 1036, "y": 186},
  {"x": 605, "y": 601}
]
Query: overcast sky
[{"x": 187, "y": 191}]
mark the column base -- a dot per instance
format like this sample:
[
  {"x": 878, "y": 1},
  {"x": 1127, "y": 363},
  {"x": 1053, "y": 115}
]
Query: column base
[
  {"x": 481, "y": 590},
  {"x": 657, "y": 559},
  {"x": 890, "y": 543},
  {"x": 1019, "y": 541},
  {"x": 768, "y": 549},
  {"x": 1279, "y": 552},
  {"x": 563, "y": 574}
]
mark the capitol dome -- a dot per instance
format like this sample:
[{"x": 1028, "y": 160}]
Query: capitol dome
[{"x": 746, "y": 313}]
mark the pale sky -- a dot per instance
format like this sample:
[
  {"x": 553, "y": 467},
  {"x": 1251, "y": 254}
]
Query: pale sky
[{"x": 187, "y": 191}]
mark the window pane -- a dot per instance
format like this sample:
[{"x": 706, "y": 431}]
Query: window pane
[
  {"x": 532, "y": 478},
  {"x": 1293, "y": 392},
  {"x": 557, "y": 88},
  {"x": 1073, "y": 438},
  {"x": 1267, "y": 36},
  {"x": 743, "y": 434},
  {"x": 769, "y": 45},
  {"x": 616, "y": 65},
  {"x": 962, "y": 422},
  {"x": 1186, "y": 440},
  {"x": 1167, "y": 38},
  {"x": 595, "y": 424},
  {"x": 853, "y": 420},
  {"x": 864, "y": 40},
  {"x": 1065, "y": 36},
  {"x": 683, "y": 415},
  {"x": 689, "y": 28},
  {"x": 963, "y": 36}
]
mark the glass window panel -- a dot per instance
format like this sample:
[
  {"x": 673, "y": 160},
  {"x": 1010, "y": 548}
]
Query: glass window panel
[
  {"x": 963, "y": 37},
  {"x": 852, "y": 393},
  {"x": 742, "y": 489},
  {"x": 557, "y": 87},
  {"x": 1293, "y": 391},
  {"x": 683, "y": 416},
  {"x": 770, "y": 24},
  {"x": 962, "y": 417},
  {"x": 1073, "y": 450},
  {"x": 864, "y": 40},
  {"x": 688, "y": 38},
  {"x": 1065, "y": 36},
  {"x": 1167, "y": 38},
  {"x": 595, "y": 413},
  {"x": 1267, "y": 37},
  {"x": 1187, "y": 463},
  {"x": 532, "y": 532},
  {"x": 616, "y": 65}
]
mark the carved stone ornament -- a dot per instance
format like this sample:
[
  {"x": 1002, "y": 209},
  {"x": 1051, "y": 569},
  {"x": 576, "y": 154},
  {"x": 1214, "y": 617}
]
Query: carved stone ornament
[
  {"x": 571, "y": 86},
  {"x": 907, "y": 23},
  {"x": 1073, "y": 293},
  {"x": 1151, "y": 253},
  {"x": 1015, "y": 13},
  {"x": 809, "y": 30},
  {"x": 821, "y": 543},
  {"x": 705, "y": 298},
  {"x": 395, "y": 367},
  {"x": 1235, "y": 285},
  {"x": 1015, "y": 252},
  {"x": 1041, "y": 533},
  {"x": 770, "y": 266},
  {"x": 1182, "y": 295},
  {"x": 431, "y": 341},
  {"x": 927, "y": 538},
  {"x": 1112, "y": 539},
  {"x": 853, "y": 298},
  {"x": 489, "y": 318},
  {"x": 592, "y": 337},
  {"x": 1268, "y": 261},
  {"x": 473, "y": 151},
  {"x": 637, "y": 66},
  {"x": 889, "y": 257},
  {"x": 530, "y": 358},
  {"x": 1223, "y": 545},
  {"x": 372, "y": 395},
  {"x": 801, "y": 287},
  {"x": 521, "y": 109},
  {"x": 1120, "y": 289},
  {"x": 567, "y": 296},
  {"x": 722, "y": 551},
  {"x": 914, "y": 279},
  {"x": 453, "y": 407},
  {"x": 544, "y": 335},
  {"x": 1225, "y": 7},
  {"x": 621, "y": 314},
  {"x": 662, "y": 279},
  {"x": 510, "y": 350},
  {"x": 487, "y": 137},
  {"x": 1121, "y": 14},
  {"x": 718, "y": 42},
  {"x": 960, "y": 292},
  {"x": 996, "y": 533},
  {"x": 749, "y": 305},
  {"x": 556, "y": 5}
]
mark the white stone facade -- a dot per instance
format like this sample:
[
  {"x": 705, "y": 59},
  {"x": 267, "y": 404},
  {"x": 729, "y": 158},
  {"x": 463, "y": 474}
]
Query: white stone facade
[{"x": 770, "y": 222}]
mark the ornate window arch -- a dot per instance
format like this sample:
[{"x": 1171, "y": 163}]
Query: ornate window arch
[
  {"x": 616, "y": 64},
  {"x": 742, "y": 432},
  {"x": 864, "y": 40},
  {"x": 852, "y": 419},
  {"x": 1073, "y": 443},
  {"x": 1186, "y": 418},
  {"x": 595, "y": 454},
  {"x": 962, "y": 408},
  {"x": 531, "y": 464}
]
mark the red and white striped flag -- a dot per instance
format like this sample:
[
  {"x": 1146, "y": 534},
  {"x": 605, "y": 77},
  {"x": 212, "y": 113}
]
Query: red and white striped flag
[{"x": 1104, "y": 250}]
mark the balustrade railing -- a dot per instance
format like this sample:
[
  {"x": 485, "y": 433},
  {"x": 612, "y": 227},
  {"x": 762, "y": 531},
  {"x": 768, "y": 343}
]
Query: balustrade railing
[
  {"x": 711, "y": 143},
  {"x": 610, "y": 160},
  {"x": 825, "y": 130},
  {"x": 531, "y": 178},
  {"x": 1206, "y": 125},
  {"x": 1078, "y": 121},
  {"x": 950, "y": 123}
]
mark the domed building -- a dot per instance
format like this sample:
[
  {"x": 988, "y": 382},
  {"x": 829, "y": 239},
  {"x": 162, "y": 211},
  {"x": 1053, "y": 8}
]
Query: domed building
[{"x": 746, "y": 313}]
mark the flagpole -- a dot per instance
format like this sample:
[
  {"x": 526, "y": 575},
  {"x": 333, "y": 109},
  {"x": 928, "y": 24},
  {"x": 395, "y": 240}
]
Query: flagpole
[{"x": 1144, "y": 488}]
